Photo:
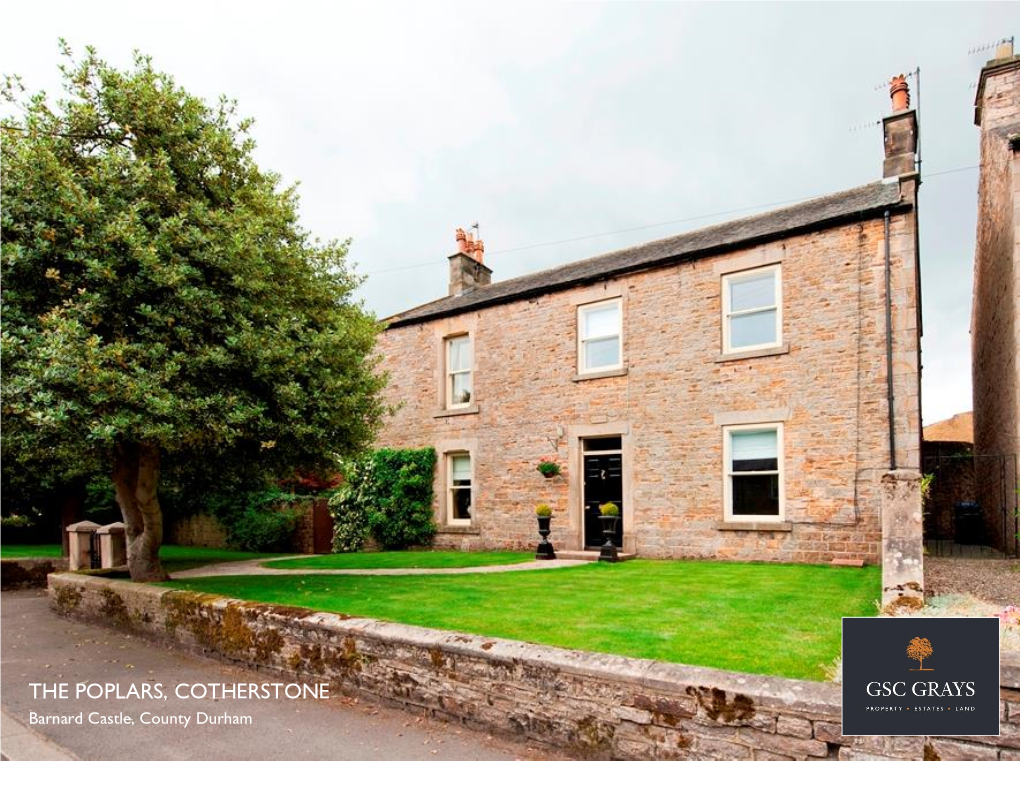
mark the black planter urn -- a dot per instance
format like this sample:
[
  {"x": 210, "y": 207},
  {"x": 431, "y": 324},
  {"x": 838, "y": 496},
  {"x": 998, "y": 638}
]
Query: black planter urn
[
  {"x": 545, "y": 550},
  {"x": 609, "y": 552}
]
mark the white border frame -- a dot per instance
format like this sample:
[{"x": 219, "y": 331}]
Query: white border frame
[
  {"x": 725, "y": 280},
  {"x": 728, "y": 515},
  {"x": 581, "y": 309}
]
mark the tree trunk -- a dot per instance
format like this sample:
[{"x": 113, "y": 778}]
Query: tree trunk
[
  {"x": 71, "y": 511},
  {"x": 136, "y": 479}
]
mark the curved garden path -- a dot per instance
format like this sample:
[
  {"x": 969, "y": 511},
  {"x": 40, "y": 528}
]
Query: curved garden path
[{"x": 254, "y": 567}]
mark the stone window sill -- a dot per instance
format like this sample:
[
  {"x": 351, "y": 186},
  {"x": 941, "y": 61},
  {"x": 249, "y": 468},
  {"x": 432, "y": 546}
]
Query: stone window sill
[
  {"x": 442, "y": 414},
  {"x": 754, "y": 526},
  {"x": 760, "y": 353},
  {"x": 611, "y": 373},
  {"x": 469, "y": 529}
]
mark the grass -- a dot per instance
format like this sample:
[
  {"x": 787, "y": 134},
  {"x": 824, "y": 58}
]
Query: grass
[
  {"x": 778, "y": 619},
  {"x": 30, "y": 551},
  {"x": 414, "y": 559},
  {"x": 175, "y": 558}
]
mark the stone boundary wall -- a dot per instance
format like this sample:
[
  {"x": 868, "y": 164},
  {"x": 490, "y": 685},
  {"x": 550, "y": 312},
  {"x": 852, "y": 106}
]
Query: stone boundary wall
[
  {"x": 204, "y": 530},
  {"x": 28, "y": 572},
  {"x": 197, "y": 530},
  {"x": 588, "y": 705}
]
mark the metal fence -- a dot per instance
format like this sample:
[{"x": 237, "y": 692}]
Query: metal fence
[{"x": 972, "y": 505}]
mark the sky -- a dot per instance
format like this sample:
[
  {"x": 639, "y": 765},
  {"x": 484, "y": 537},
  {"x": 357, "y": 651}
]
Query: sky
[{"x": 559, "y": 128}]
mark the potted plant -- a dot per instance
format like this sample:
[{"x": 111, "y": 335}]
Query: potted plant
[
  {"x": 610, "y": 516},
  {"x": 548, "y": 467},
  {"x": 545, "y": 551}
]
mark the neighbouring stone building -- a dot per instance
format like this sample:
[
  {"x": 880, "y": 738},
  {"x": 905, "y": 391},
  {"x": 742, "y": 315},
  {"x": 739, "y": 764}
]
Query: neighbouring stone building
[
  {"x": 995, "y": 317},
  {"x": 748, "y": 390}
]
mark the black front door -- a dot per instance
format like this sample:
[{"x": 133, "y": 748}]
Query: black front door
[{"x": 603, "y": 483}]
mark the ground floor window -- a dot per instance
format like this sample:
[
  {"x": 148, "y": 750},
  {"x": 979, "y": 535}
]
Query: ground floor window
[
  {"x": 459, "y": 488},
  {"x": 753, "y": 462}
]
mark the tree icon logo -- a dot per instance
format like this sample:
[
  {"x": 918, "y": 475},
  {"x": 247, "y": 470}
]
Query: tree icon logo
[{"x": 920, "y": 649}]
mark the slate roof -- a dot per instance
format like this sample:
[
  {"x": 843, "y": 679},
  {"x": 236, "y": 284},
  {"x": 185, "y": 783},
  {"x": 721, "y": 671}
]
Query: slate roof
[{"x": 833, "y": 209}]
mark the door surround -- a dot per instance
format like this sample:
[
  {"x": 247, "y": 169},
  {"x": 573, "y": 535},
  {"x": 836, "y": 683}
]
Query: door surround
[{"x": 575, "y": 466}]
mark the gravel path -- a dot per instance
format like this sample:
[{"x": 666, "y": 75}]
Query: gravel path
[
  {"x": 254, "y": 567},
  {"x": 993, "y": 580}
]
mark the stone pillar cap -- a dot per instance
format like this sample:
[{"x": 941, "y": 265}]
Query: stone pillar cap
[
  {"x": 116, "y": 527},
  {"x": 84, "y": 525}
]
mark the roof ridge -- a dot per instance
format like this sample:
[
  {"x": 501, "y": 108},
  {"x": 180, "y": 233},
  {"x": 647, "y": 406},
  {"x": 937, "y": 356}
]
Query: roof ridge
[
  {"x": 701, "y": 229},
  {"x": 699, "y": 241}
]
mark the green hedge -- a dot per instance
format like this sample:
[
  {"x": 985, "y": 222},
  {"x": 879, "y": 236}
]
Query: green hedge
[
  {"x": 387, "y": 495},
  {"x": 260, "y": 520}
]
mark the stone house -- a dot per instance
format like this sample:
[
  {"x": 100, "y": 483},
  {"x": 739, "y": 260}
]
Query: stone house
[
  {"x": 739, "y": 391},
  {"x": 995, "y": 314}
]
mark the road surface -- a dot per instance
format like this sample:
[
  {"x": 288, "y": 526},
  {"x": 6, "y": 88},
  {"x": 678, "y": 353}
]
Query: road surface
[{"x": 40, "y": 647}]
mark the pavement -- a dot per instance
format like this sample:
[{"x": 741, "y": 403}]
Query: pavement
[
  {"x": 38, "y": 646},
  {"x": 255, "y": 567}
]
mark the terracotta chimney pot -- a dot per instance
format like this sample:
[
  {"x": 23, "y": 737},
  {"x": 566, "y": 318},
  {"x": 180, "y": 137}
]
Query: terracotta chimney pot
[
  {"x": 480, "y": 250},
  {"x": 461, "y": 240},
  {"x": 900, "y": 93}
]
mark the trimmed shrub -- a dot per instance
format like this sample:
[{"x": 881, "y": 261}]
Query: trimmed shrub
[
  {"x": 258, "y": 520},
  {"x": 388, "y": 495}
]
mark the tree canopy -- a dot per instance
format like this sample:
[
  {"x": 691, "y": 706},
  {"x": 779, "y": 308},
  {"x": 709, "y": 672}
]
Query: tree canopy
[{"x": 162, "y": 304}]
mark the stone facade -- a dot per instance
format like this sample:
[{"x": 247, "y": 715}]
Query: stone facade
[
  {"x": 826, "y": 385},
  {"x": 995, "y": 318},
  {"x": 586, "y": 705}
]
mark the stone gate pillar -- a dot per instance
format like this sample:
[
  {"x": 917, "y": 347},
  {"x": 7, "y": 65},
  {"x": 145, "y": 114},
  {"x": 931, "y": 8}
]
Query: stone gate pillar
[{"x": 902, "y": 541}]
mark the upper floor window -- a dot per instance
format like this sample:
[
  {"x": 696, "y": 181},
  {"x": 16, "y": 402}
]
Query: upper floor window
[
  {"x": 599, "y": 336},
  {"x": 753, "y": 460},
  {"x": 458, "y": 372},
  {"x": 752, "y": 310}
]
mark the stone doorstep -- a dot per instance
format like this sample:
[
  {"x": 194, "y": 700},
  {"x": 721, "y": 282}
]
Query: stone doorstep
[{"x": 589, "y": 555}]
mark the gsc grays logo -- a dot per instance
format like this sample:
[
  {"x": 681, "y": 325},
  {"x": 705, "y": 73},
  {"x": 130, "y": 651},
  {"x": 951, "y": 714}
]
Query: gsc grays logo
[{"x": 921, "y": 676}]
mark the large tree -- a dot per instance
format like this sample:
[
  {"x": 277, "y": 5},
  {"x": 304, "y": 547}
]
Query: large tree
[{"x": 162, "y": 305}]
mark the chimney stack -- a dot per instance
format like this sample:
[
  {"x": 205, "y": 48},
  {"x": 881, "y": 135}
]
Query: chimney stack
[
  {"x": 467, "y": 269},
  {"x": 997, "y": 103},
  {"x": 900, "y": 130}
]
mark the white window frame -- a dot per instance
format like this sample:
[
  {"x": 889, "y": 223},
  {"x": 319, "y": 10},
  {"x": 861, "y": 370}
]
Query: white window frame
[
  {"x": 727, "y": 279},
  {"x": 450, "y": 519},
  {"x": 581, "y": 338},
  {"x": 728, "y": 474},
  {"x": 448, "y": 350}
]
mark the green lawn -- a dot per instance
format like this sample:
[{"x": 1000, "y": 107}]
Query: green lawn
[
  {"x": 175, "y": 558},
  {"x": 403, "y": 559},
  {"x": 779, "y": 619},
  {"x": 30, "y": 551}
]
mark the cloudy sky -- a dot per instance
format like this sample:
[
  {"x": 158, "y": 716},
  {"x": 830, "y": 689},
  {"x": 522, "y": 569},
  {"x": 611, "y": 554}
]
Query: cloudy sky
[{"x": 561, "y": 128}]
